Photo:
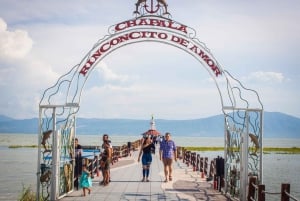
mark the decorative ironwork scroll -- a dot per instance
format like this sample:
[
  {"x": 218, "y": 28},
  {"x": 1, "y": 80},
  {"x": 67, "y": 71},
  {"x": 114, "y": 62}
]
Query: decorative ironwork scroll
[
  {"x": 243, "y": 138},
  {"x": 150, "y": 7},
  {"x": 55, "y": 155}
]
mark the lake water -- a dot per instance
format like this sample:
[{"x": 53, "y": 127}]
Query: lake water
[{"x": 19, "y": 166}]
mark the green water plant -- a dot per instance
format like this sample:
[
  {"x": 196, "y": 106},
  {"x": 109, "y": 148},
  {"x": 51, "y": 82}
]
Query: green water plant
[
  {"x": 22, "y": 146},
  {"x": 283, "y": 150},
  {"x": 204, "y": 148},
  {"x": 27, "y": 194},
  {"x": 279, "y": 150}
]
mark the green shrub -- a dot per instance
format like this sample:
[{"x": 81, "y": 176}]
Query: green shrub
[{"x": 27, "y": 194}]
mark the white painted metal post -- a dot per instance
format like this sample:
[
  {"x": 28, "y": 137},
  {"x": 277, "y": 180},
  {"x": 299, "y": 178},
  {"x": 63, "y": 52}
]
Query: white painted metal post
[
  {"x": 38, "y": 172},
  {"x": 74, "y": 136},
  {"x": 261, "y": 147},
  {"x": 226, "y": 164},
  {"x": 244, "y": 162},
  {"x": 54, "y": 174}
]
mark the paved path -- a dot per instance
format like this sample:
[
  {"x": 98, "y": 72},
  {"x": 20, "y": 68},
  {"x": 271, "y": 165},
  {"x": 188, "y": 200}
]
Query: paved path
[{"x": 126, "y": 184}]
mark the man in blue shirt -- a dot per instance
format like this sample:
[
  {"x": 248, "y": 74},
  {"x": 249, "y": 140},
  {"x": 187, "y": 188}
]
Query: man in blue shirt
[{"x": 167, "y": 152}]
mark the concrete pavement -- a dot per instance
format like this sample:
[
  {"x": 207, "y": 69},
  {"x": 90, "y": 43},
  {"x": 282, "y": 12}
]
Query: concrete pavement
[{"x": 126, "y": 176}]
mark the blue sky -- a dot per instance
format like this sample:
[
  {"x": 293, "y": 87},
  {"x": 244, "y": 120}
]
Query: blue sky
[{"x": 258, "y": 42}]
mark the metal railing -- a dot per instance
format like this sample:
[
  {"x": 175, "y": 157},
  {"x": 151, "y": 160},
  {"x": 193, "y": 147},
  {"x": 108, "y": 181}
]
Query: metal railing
[
  {"x": 258, "y": 193},
  {"x": 93, "y": 164},
  {"x": 198, "y": 163}
]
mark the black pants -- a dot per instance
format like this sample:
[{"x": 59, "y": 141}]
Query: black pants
[{"x": 77, "y": 171}]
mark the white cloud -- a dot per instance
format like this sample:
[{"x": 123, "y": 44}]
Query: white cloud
[
  {"x": 247, "y": 38},
  {"x": 270, "y": 77},
  {"x": 23, "y": 76},
  {"x": 110, "y": 76},
  {"x": 23, "y": 85},
  {"x": 141, "y": 100},
  {"x": 3, "y": 25},
  {"x": 13, "y": 44}
]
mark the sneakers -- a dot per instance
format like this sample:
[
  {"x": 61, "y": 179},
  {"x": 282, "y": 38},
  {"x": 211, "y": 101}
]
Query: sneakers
[
  {"x": 170, "y": 179},
  {"x": 145, "y": 179}
]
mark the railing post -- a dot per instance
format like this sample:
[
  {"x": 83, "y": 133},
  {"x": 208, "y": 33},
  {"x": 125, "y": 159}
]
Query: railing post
[
  {"x": 92, "y": 167},
  {"x": 201, "y": 165},
  {"x": 205, "y": 165},
  {"x": 193, "y": 160},
  {"x": 86, "y": 162},
  {"x": 220, "y": 172},
  {"x": 184, "y": 155},
  {"x": 261, "y": 193},
  {"x": 178, "y": 150},
  {"x": 215, "y": 182},
  {"x": 188, "y": 158},
  {"x": 211, "y": 169},
  {"x": 251, "y": 188},
  {"x": 97, "y": 166},
  {"x": 202, "y": 161},
  {"x": 285, "y": 188}
]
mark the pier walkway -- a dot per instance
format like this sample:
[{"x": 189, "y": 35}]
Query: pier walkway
[{"x": 126, "y": 176}]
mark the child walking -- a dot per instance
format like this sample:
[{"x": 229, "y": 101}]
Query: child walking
[{"x": 85, "y": 180}]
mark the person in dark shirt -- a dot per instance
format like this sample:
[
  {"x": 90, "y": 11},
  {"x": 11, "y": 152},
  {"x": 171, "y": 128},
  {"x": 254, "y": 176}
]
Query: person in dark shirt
[
  {"x": 78, "y": 163},
  {"x": 146, "y": 148}
]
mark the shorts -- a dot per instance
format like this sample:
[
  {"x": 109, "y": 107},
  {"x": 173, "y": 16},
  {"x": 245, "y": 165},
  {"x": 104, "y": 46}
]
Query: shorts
[
  {"x": 107, "y": 164},
  {"x": 167, "y": 161},
  {"x": 146, "y": 159}
]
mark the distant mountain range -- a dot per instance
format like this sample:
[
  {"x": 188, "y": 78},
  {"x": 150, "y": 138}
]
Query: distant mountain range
[{"x": 276, "y": 125}]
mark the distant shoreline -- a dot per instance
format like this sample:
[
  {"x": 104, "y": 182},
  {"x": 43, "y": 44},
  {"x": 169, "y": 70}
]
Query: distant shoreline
[
  {"x": 174, "y": 135},
  {"x": 266, "y": 150},
  {"x": 275, "y": 125}
]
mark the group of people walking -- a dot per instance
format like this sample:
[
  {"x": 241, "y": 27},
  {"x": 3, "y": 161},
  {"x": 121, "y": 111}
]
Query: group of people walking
[
  {"x": 167, "y": 153},
  {"x": 82, "y": 175}
]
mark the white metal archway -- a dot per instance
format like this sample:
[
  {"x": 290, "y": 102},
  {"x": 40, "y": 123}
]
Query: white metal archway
[{"x": 242, "y": 108}]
